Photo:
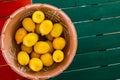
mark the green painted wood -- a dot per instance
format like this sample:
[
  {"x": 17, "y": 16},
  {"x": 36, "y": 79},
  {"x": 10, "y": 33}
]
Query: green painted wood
[
  {"x": 94, "y": 59},
  {"x": 103, "y": 73},
  {"x": 97, "y": 27},
  {"x": 93, "y": 12},
  {"x": 59, "y": 3},
  {"x": 91, "y": 44},
  {"x": 72, "y": 3}
]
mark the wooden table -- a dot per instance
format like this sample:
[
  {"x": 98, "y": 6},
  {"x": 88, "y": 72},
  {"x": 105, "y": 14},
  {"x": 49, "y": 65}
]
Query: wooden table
[
  {"x": 7, "y": 7},
  {"x": 97, "y": 23}
]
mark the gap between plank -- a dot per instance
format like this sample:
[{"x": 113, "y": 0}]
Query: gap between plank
[{"x": 89, "y": 5}]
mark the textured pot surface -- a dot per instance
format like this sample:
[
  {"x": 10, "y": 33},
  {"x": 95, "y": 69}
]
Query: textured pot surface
[{"x": 10, "y": 48}]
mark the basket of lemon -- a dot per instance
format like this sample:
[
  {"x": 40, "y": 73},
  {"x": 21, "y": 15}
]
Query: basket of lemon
[{"x": 39, "y": 41}]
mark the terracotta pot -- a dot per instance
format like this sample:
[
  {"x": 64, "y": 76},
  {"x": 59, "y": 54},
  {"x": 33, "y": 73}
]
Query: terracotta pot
[{"x": 10, "y": 48}]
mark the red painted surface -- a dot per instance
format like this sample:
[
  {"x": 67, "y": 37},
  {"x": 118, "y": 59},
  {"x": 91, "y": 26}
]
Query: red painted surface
[
  {"x": 7, "y": 7},
  {"x": 2, "y": 61},
  {"x": 7, "y": 74},
  {"x": 2, "y": 21}
]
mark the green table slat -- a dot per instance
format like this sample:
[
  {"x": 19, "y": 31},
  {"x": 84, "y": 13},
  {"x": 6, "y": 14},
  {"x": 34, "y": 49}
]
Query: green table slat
[
  {"x": 94, "y": 59},
  {"x": 93, "y": 12},
  {"x": 97, "y": 27},
  {"x": 72, "y": 3},
  {"x": 98, "y": 43},
  {"x": 88, "y": 54},
  {"x": 103, "y": 73}
]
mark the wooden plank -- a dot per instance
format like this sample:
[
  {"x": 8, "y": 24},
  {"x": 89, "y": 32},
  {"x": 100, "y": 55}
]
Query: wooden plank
[
  {"x": 90, "y": 44},
  {"x": 6, "y": 73},
  {"x": 6, "y": 0},
  {"x": 2, "y": 21},
  {"x": 7, "y": 8},
  {"x": 102, "y": 73},
  {"x": 2, "y": 61},
  {"x": 59, "y": 3},
  {"x": 72, "y": 3},
  {"x": 93, "y": 12},
  {"x": 93, "y": 59},
  {"x": 97, "y": 27}
]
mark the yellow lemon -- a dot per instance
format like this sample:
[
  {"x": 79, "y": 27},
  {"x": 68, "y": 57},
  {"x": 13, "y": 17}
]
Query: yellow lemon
[
  {"x": 37, "y": 28},
  {"x": 58, "y": 56},
  {"x": 35, "y": 55},
  {"x": 25, "y": 48},
  {"x": 59, "y": 43},
  {"x": 35, "y": 64},
  {"x": 28, "y": 24},
  {"x": 19, "y": 35},
  {"x": 23, "y": 58},
  {"x": 41, "y": 47},
  {"x": 46, "y": 27},
  {"x": 57, "y": 30},
  {"x": 30, "y": 39},
  {"x": 49, "y": 37},
  {"x": 51, "y": 47},
  {"x": 38, "y": 16},
  {"x": 47, "y": 59}
]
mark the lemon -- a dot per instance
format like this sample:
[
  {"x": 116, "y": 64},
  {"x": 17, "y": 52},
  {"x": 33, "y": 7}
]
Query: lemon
[
  {"x": 37, "y": 28},
  {"x": 46, "y": 27},
  {"x": 30, "y": 39},
  {"x": 49, "y": 37},
  {"x": 23, "y": 58},
  {"x": 35, "y": 55},
  {"x": 25, "y": 48},
  {"x": 19, "y": 35},
  {"x": 59, "y": 43},
  {"x": 28, "y": 24},
  {"x": 41, "y": 47},
  {"x": 35, "y": 64},
  {"x": 58, "y": 56},
  {"x": 47, "y": 59},
  {"x": 51, "y": 47},
  {"x": 38, "y": 16},
  {"x": 57, "y": 30}
]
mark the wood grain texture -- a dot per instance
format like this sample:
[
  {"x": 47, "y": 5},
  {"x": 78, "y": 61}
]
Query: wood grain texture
[
  {"x": 72, "y": 3},
  {"x": 81, "y": 13},
  {"x": 100, "y": 73},
  {"x": 93, "y": 12},
  {"x": 98, "y": 43},
  {"x": 93, "y": 59},
  {"x": 97, "y": 27},
  {"x": 92, "y": 39},
  {"x": 2, "y": 21},
  {"x": 6, "y": 73},
  {"x": 89, "y": 45},
  {"x": 7, "y": 7},
  {"x": 2, "y": 61}
]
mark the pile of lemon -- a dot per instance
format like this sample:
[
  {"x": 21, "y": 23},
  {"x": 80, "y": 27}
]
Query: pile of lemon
[{"x": 36, "y": 52}]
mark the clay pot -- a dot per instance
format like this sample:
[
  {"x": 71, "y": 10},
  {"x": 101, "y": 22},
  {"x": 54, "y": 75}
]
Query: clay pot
[{"x": 10, "y": 48}]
